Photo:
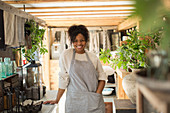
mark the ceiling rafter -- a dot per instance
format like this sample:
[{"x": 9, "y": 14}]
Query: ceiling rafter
[
  {"x": 63, "y": 13},
  {"x": 87, "y": 18},
  {"x": 47, "y": 1},
  {"x": 106, "y": 6},
  {"x": 90, "y": 11}
]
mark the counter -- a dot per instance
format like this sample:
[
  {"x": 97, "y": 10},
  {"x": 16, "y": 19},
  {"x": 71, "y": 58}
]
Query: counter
[{"x": 50, "y": 95}]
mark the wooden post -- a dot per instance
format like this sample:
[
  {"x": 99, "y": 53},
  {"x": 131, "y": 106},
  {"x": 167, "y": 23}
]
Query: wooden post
[
  {"x": 139, "y": 100},
  {"x": 46, "y": 61}
]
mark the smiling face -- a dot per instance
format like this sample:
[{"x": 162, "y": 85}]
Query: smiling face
[{"x": 79, "y": 43}]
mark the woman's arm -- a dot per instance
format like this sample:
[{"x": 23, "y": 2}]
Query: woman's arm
[
  {"x": 59, "y": 95},
  {"x": 100, "y": 87}
]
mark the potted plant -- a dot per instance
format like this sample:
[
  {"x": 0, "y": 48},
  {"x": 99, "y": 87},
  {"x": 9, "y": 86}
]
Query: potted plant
[
  {"x": 34, "y": 40},
  {"x": 132, "y": 55},
  {"x": 36, "y": 35}
]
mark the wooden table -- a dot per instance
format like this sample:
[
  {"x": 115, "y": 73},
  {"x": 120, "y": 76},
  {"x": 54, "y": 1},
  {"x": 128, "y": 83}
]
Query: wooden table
[
  {"x": 120, "y": 75},
  {"x": 158, "y": 100}
]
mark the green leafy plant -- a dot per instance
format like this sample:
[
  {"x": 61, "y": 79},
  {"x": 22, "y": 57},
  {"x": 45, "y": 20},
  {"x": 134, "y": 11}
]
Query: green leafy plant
[
  {"x": 37, "y": 35},
  {"x": 155, "y": 14},
  {"x": 132, "y": 54},
  {"x": 33, "y": 30},
  {"x": 105, "y": 56}
]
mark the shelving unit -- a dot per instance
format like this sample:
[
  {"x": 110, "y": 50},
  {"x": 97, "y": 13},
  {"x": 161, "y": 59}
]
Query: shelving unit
[
  {"x": 10, "y": 86},
  {"x": 159, "y": 100}
]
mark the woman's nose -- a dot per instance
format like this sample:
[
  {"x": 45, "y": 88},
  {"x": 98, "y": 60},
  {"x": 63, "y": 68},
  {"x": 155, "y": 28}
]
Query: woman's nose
[{"x": 79, "y": 42}]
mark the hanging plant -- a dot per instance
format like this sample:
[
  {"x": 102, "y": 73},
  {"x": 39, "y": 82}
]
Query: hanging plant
[
  {"x": 32, "y": 29},
  {"x": 34, "y": 41}
]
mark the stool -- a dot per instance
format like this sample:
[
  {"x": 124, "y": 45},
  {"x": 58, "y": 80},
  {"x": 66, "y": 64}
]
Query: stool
[{"x": 123, "y": 106}]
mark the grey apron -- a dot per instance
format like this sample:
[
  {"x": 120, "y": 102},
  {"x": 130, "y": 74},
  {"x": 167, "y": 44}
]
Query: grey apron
[{"x": 81, "y": 96}]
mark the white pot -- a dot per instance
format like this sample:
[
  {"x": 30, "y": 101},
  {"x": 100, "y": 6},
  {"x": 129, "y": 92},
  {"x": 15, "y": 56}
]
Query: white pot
[{"x": 129, "y": 85}]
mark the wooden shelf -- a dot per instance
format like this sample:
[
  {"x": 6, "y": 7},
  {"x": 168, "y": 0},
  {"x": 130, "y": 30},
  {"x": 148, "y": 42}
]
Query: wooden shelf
[
  {"x": 9, "y": 77},
  {"x": 158, "y": 100}
]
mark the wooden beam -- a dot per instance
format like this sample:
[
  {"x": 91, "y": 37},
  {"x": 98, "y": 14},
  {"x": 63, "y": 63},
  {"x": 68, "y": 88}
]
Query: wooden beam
[
  {"x": 89, "y": 28},
  {"x": 73, "y": 7},
  {"x": 129, "y": 23},
  {"x": 84, "y": 19},
  {"x": 91, "y": 11},
  {"x": 87, "y": 18},
  {"x": 87, "y": 23},
  {"x": 60, "y": 15},
  {"x": 45, "y": 1},
  {"x": 8, "y": 8}
]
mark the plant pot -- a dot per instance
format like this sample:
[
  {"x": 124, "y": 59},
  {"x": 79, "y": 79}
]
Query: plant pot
[{"x": 129, "y": 85}]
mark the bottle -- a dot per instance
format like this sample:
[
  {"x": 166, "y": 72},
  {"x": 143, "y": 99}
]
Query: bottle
[{"x": 3, "y": 70}]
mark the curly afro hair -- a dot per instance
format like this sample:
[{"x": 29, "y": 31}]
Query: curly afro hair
[{"x": 74, "y": 30}]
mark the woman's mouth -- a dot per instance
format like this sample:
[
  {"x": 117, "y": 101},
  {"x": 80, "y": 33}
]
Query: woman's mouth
[{"x": 79, "y": 47}]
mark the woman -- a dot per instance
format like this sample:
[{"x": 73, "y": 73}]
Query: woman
[{"x": 82, "y": 74}]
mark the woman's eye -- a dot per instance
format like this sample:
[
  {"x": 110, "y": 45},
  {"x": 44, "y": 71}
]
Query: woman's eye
[
  {"x": 79, "y": 41},
  {"x": 82, "y": 40}
]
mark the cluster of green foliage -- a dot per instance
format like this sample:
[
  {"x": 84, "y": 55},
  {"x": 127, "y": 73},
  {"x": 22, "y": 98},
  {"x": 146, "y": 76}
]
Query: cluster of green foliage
[
  {"x": 132, "y": 54},
  {"x": 105, "y": 56},
  {"x": 32, "y": 29},
  {"x": 155, "y": 16},
  {"x": 37, "y": 35}
]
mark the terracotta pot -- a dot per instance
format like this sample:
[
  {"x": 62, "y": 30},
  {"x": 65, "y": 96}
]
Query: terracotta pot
[{"x": 129, "y": 85}]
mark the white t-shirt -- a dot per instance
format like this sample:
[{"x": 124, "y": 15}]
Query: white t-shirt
[{"x": 65, "y": 61}]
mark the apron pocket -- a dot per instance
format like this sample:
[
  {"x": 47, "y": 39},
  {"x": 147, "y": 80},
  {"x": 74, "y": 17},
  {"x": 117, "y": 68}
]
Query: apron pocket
[
  {"x": 94, "y": 102},
  {"x": 76, "y": 102}
]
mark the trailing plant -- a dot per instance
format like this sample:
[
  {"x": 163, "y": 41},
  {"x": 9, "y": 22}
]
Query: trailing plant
[{"x": 33, "y": 30}]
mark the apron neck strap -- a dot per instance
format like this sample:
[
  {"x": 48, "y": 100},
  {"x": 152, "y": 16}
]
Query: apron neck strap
[{"x": 74, "y": 53}]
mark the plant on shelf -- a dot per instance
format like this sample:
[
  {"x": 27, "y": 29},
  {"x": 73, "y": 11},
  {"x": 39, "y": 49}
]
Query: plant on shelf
[
  {"x": 36, "y": 35},
  {"x": 132, "y": 54}
]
